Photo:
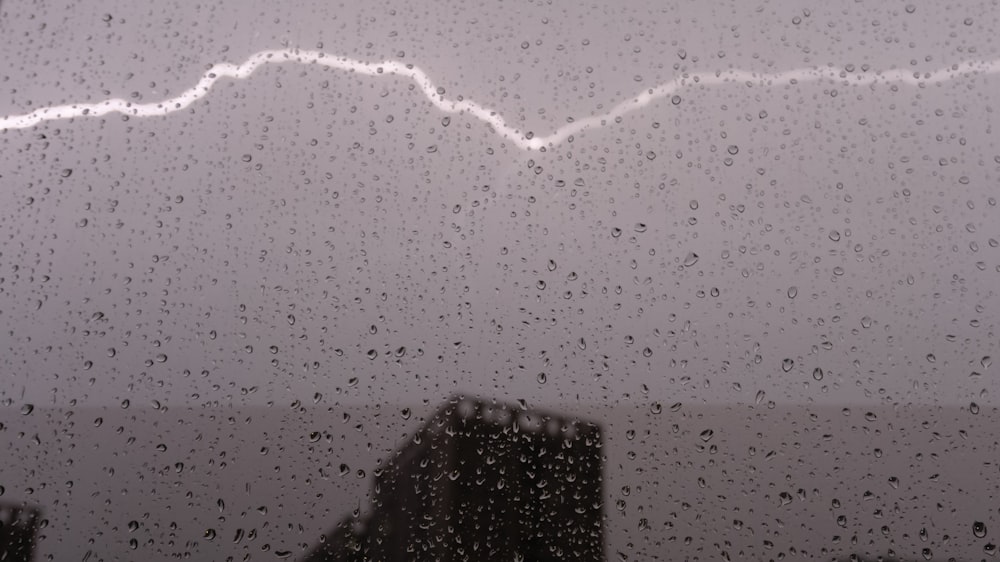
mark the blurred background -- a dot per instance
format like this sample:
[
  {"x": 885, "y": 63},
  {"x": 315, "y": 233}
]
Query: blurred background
[{"x": 777, "y": 299}]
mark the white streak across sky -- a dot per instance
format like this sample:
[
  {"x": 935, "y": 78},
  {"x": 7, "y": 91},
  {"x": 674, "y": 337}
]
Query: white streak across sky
[{"x": 843, "y": 76}]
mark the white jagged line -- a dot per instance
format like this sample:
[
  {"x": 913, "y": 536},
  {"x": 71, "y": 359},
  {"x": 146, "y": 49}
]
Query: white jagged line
[{"x": 492, "y": 118}]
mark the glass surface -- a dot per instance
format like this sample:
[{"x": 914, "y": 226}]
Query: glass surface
[{"x": 742, "y": 255}]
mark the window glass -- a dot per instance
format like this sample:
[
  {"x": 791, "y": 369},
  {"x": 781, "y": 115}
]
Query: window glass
[{"x": 508, "y": 280}]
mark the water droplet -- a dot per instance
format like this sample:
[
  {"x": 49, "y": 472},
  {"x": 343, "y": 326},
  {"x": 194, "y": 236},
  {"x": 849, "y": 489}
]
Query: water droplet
[
  {"x": 676, "y": 100},
  {"x": 690, "y": 259},
  {"x": 818, "y": 374},
  {"x": 835, "y": 236},
  {"x": 866, "y": 322},
  {"x": 793, "y": 292},
  {"x": 542, "y": 378},
  {"x": 656, "y": 407},
  {"x": 706, "y": 435},
  {"x": 787, "y": 364},
  {"x": 760, "y": 397},
  {"x": 27, "y": 409},
  {"x": 979, "y": 529}
]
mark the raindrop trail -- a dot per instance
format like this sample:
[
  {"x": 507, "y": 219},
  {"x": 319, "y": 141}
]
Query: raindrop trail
[{"x": 490, "y": 117}]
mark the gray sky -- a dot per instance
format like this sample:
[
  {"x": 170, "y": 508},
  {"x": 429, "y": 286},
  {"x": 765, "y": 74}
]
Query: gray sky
[{"x": 344, "y": 201}]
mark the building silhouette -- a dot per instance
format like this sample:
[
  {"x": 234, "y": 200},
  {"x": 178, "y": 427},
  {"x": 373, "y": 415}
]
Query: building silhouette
[
  {"x": 18, "y": 524},
  {"x": 482, "y": 481}
]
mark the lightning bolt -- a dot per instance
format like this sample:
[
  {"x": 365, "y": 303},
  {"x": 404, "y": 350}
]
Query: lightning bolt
[{"x": 524, "y": 140}]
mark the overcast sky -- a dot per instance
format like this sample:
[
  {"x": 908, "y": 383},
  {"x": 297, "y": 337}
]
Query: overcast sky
[{"x": 189, "y": 241}]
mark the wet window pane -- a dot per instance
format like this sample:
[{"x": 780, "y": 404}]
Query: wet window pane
[{"x": 498, "y": 281}]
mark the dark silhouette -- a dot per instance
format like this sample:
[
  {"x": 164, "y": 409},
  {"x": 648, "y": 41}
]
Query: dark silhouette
[
  {"x": 482, "y": 481},
  {"x": 18, "y": 523}
]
